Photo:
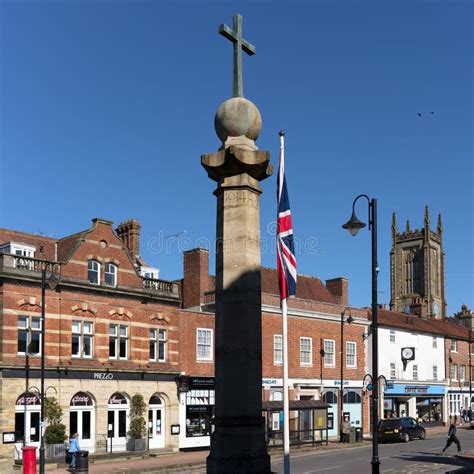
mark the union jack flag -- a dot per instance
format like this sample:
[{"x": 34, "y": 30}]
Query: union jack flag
[{"x": 286, "y": 260}]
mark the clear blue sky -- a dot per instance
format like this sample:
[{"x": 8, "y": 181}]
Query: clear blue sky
[{"x": 107, "y": 106}]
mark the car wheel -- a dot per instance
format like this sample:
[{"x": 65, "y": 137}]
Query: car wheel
[
  {"x": 423, "y": 434},
  {"x": 406, "y": 437}
]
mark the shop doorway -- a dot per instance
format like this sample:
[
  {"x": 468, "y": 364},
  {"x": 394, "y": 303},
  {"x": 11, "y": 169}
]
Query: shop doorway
[
  {"x": 353, "y": 405},
  {"x": 27, "y": 419},
  {"x": 117, "y": 422},
  {"x": 156, "y": 423},
  {"x": 82, "y": 420},
  {"x": 333, "y": 422}
]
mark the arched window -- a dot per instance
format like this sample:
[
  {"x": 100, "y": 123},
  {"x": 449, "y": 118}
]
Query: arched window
[
  {"x": 330, "y": 398},
  {"x": 93, "y": 272},
  {"x": 110, "y": 274},
  {"x": 352, "y": 397},
  {"x": 118, "y": 399},
  {"x": 155, "y": 400},
  {"x": 81, "y": 399}
]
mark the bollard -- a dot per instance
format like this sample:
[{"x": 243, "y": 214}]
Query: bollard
[{"x": 29, "y": 459}]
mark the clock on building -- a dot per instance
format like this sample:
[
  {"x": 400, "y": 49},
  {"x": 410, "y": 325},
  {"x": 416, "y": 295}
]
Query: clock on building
[{"x": 408, "y": 353}]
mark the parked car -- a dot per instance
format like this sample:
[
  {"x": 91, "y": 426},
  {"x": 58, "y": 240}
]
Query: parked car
[{"x": 400, "y": 429}]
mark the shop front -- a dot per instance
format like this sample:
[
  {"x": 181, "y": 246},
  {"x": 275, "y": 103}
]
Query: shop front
[
  {"x": 196, "y": 409},
  {"x": 425, "y": 403}
]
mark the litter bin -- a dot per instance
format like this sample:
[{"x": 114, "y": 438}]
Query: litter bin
[
  {"x": 352, "y": 435},
  {"x": 82, "y": 464},
  {"x": 358, "y": 435}
]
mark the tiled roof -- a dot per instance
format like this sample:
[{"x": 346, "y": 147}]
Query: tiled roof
[
  {"x": 67, "y": 245},
  {"x": 44, "y": 245},
  {"x": 308, "y": 288},
  {"x": 408, "y": 322}
]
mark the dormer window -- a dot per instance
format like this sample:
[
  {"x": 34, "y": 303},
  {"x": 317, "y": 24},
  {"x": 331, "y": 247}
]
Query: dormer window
[
  {"x": 150, "y": 272},
  {"x": 110, "y": 274},
  {"x": 93, "y": 272}
]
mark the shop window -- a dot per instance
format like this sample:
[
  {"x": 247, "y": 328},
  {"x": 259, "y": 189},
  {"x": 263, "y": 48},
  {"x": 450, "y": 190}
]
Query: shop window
[
  {"x": 351, "y": 354},
  {"x": 203, "y": 344},
  {"x": 158, "y": 345},
  {"x": 330, "y": 398},
  {"x": 329, "y": 360},
  {"x": 110, "y": 274},
  {"x": 29, "y": 335},
  {"x": 118, "y": 341},
  {"x": 352, "y": 397},
  {"x": 305, "y": 351},
  {"x": 93, "y": 272},
  {"x": 277, "y": 349},
  {"x": 199, "y": 411},
  {"x": 81, "y": 341}
]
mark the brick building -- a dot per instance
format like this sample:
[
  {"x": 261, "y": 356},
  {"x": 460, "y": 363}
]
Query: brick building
[
  {"x": 112, "y": 330},
  {"x": 314, "y": 326}
]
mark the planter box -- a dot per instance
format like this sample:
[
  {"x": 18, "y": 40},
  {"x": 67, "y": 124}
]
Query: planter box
[{"x": 136, "y": 445}]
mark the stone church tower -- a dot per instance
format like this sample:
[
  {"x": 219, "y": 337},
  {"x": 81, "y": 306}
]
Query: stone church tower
[{"x": 417, "y": 270}]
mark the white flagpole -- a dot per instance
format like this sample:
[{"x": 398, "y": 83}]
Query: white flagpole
[{"x": 286, "y": 413}]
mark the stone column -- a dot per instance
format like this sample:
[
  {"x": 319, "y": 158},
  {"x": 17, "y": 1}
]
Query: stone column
[{"x": 238, "y": 442}]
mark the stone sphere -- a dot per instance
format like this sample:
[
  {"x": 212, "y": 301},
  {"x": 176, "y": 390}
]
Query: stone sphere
[{"x": 236, "y": 117}]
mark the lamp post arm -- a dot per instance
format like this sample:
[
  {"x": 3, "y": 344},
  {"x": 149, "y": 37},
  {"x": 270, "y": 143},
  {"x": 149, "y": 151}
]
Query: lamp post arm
[{"x": 368, "y": 201}]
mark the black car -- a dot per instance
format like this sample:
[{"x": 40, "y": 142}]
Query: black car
[{"x": 400, "y": 429}]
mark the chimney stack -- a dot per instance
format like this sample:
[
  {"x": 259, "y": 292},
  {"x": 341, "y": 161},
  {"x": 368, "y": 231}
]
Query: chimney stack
[
  {"x": 129, "y": 233},
  {"x": 196, "y": 277},
  {"x": 339, "y": 288}
]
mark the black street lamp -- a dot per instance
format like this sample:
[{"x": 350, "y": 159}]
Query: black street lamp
[
  {"x": 353, "y": 225},
  {"x": 52, "y": 281},
  {"x": 349, "y": 320}
]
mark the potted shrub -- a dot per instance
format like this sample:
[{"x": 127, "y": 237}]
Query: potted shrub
[
  {"x": 137, "y": 430},
  {"x": 55, "y": 432}
]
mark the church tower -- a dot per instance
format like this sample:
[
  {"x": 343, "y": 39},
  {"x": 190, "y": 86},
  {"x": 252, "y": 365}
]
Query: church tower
[{"x": 417, "y": 269}]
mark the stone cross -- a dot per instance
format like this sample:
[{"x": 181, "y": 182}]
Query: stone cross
[{"x": 240, "y": 44}]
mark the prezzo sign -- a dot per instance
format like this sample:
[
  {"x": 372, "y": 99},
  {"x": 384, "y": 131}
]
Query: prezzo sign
[{"x": 103, "y": 376}]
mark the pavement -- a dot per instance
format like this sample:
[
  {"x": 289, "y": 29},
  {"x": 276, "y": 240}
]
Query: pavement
[{"x": 195, "y": 461}]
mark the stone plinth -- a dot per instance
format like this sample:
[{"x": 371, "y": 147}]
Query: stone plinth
[{"x": 238, "y": 442}]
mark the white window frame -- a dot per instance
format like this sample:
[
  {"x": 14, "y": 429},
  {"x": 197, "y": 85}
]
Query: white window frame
[
  {"x": 114, "y": 273},
  {"x": 462, "y": 373},
  {"x": 392, "y": 336},
  {"x": 308, "y": 353},
  {"x": 454, "y": 345},
  {"x": 435, "y": 372},
  {"x": 415, "y": 372},
  {"x": 393, "y": 371},
  {"x": 29, "y": 329},
  {"x": 117, "y": 338},
  {"x": 354, "y": 345},
  {"x": 210, "y": 345},
  {"x": 82, "y": 334},
  {"x": 435, "y": 342},
  {"x": 327, "y": 343},
  {"x": 454, "y": 368},
  {"x": 158, "y": 337},
  {"x": 277, "y": 349},
  {"x": 93, "y": 270}
]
